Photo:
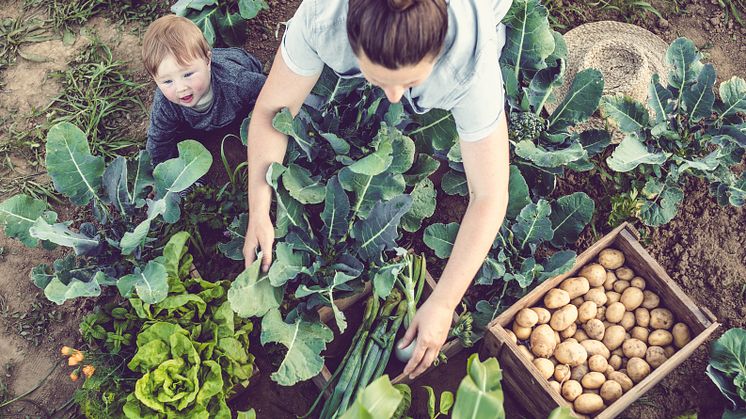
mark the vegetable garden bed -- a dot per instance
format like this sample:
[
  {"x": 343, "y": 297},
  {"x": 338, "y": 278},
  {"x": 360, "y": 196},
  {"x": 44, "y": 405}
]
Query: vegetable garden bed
[{"x": 533, "y": 391}]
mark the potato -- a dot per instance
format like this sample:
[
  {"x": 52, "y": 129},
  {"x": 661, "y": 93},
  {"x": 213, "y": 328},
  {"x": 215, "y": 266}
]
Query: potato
[
  {"x": 618, "y": 351},
  {"x": 580, "y": 335},
  {"x": 561, "y": 373},
  {"x": 522, "y": 333},
  {"x": 634, "y": 348},
  {"x": 611, "y": 258},
  {"x": 681, "y": 335},
  {"x": 638, "y": 282},
  {"x": 612, "y": 297},
  {"x": 620, "y": 285},
  {"x": 557, "y": 338},
  {"x": 597, "y": 363},
  {"x": 660, "y": 337},
  {"x": 628, "y": 321},
  {"x": 555, "y": 386},
  {"x": 655, "y": 356},
  {"x": 570, "y": 340},
  {"x": 614, "y": 337},
  {"x": 556, "y": 298},
  {"x": 587, "y": 311},
  {"x": 623, "y": 380},
  {"x": 564, "y": 317},
  {"x": 575, "y": 286},
  {"x": 624, "y": 273},
  {"x": 632, "y": 298},
  {"x": 615, "y": 361},
  {"x": 577, "y": 301},
  {"x": 609, "y": 282},
  {"x": 511, "y": 336},
  {"x": 642, "y": 317},
  {"x": 611, "y": 390},
  {"x": 650, "y": 300},
  {"x": 601, "y": 313},
  {"x": 615, "y": 312},
  {"x": 543, "y": 314},
  {"x": 571, "y": 389},
  {"x": 577, "y": 373},
  {"x": 569, "y": 332},
  {"x": 597, "y": 295},
  {"x": 640, "y": 333},
  {"x": 526, "y": 318},
  {"x": 594, "y": 273},
  {"x": 543, "y": 341},
  {"x": 661, "y": 318},
  {"x": 595, "y": 347},
  {"x": 571, "y": 353},
  {"x": 669, "y": 350},
  {"x": 593, "y": 380},
  {"x": 588, "y": 403},
  {"x": 637, "y": 369},
  {"x": 523, "y": 350},
  {"x": 595, "y": 329},
  {"x": 545, "y": 367}
]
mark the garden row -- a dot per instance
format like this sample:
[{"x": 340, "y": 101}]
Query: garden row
[{"x": 358, "y": 176}]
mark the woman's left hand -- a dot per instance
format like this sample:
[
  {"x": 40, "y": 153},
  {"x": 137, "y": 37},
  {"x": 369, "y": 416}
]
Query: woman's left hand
[{"x": 430, "y": 326}]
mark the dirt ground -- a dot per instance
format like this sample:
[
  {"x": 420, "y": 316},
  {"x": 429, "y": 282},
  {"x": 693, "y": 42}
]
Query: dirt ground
[{"x": 702, "y": 249}]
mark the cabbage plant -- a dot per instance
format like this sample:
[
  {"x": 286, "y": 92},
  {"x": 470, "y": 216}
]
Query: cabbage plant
[
  {"x": 691, "y": 132},
  {"x": 115, "y": 245},
  {"x": 223, "y": 22},
  {"x": 727, "y": 369}
]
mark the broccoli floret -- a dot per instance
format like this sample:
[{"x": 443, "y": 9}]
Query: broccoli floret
[{"x": 525, "y": 126}]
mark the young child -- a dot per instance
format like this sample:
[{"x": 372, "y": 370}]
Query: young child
[{"x": 200, "y": 91}]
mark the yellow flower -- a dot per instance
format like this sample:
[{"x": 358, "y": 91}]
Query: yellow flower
[
  {"x": 67, "y": 351},
  {"x": 76, "y": 358},
  {"x": 74, "y": 375},
  {"x": 88, "y": 370}
]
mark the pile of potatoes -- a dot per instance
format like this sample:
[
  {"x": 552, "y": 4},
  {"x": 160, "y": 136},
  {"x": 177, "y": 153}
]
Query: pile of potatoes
[{"x": 598, "y": 334}]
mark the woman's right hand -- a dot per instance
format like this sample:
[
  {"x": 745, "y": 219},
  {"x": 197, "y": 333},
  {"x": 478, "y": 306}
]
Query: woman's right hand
[{"x": 260, "y": 235}]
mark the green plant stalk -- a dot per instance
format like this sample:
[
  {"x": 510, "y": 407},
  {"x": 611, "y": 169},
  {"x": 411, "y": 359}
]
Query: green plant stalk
[{"x": 390, "y": 340}]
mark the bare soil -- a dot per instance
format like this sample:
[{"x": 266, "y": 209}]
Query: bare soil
[{"x": 702, "y": 249}]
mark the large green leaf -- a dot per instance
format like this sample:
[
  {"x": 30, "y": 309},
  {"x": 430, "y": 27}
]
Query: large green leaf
[
  {"x": 529, "y": 38},
  {"x": 533, "y": 224},
  {"x": 60, "y": 234},
  {"x": 454, "y": 183},
  {"x": 594, "y": 141},
  {"x": 385, "y": 277},
  {"x": 132, "y": 240},
  {"x": 480, "y": 393},
  {"x": 543, "y": 84},
  {"x": 440, "y": 238},
  {"x": 570, "y": 214},
  {"x": 304, "y": 342},
  {"x": 19, "y": 213},
  {"x": 297, "y": 129},
  {"x": 728, "y": 353},
  {"x": 177, "y": 174},
  {"x": 658, "y": 99},
  {"x": 700, "y": 97},
  {"x": 250, "y": 8},
  {"x": 631, "y": 152},
  {"x": 437, "y": 129},
  {"x": 403, "y": 148},
  {"x": 67, "y": 280},
  {"x": 370, "y": 189},
  {"x": 340, "y": 281},
  {"x": 628, "y": 114},
  {"x": 205, "y": 21},
  {"x": 423, "y": 167},
  {"x": 301, "y": 186},
  {"x": 550, "y": 158},
  {"x": 682, "y": 58},
  {"x": 151, "y": 283},
  {"x": 374, "y": 163},
  {"x": 251, "y": 294},
  {"x": 423, "y": 205},
  {"x": 233, "y": 249},
  {"x": 233, "y": 28},
  {"x": 181, "y": 7},
  {"x": 75, "y": 172},
  {"x": 559, "y": 263},
  {"x": 115, "y": 180},
  {"x": 662, "y": 204},
  {"x": 733, "y": 95},
  {"x": 580, "y": 102},
  {"x": 335, "y": 215},
  {"x": 286, "y": 265},
  {"x": 517, "y": 192},
  {"x": 378, "y": 400},
  {"x": 378, "y": 232}
]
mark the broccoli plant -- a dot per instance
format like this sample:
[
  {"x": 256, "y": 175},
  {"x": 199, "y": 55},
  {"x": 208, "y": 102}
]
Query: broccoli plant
[
  {"x": 692, "y": 132},
  {"x": 221, "y": 21},
  {"x": 116, "y": 246}
]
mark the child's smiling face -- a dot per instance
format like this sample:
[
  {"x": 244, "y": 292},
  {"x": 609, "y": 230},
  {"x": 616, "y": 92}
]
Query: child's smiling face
[{"x": 183, "y": 85}]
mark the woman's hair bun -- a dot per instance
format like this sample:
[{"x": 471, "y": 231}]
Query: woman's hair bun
[{"x": 401, "y": 5}]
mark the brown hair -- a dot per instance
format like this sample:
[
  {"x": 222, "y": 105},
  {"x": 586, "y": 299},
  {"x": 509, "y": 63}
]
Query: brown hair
[
  {"x": 397, "y": 33},
  {"x": 172, "y": 35}
]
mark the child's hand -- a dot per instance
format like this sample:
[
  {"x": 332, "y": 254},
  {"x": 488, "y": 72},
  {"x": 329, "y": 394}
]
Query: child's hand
[{"x": 260, "y": 235}]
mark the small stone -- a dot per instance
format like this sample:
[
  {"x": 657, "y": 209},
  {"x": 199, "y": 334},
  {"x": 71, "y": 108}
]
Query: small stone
[
  {"x": 715, "y": 21},
  {"x": 663, "y": 23}
]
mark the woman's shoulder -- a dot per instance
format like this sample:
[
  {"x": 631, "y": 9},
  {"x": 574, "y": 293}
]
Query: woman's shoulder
[{"x": 321, "y": 15}]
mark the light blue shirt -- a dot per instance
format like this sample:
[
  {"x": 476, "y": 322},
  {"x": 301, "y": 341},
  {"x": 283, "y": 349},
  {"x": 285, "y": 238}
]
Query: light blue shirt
[{"x": 465, "y": 80}]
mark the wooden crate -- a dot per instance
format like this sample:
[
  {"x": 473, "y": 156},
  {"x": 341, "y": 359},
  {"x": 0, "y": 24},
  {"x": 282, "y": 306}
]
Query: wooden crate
[
  {"x": 450, "y": 348},
  {"x": 522, "y": 378}
]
